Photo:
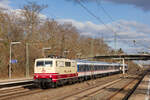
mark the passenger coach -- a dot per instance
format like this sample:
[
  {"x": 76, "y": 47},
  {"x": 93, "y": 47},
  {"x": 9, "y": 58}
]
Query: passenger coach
[{"x": 93, "y": 69}]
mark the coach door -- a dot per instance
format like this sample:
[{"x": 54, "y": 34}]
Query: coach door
[{"x": 60, "y": 66}]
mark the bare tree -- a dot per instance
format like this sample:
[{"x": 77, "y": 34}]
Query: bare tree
[{"x": 31, "y": 13}]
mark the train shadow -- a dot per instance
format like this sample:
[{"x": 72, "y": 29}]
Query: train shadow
[{"x": 30, "y": 87}]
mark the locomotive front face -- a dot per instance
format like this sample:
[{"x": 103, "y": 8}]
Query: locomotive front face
[
  {"x": 43, "y": 68},
  {"x": 44, "y": 72}
]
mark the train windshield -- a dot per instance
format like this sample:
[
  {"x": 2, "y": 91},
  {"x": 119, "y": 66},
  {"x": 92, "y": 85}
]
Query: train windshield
[{"x": 44, "y": 63}]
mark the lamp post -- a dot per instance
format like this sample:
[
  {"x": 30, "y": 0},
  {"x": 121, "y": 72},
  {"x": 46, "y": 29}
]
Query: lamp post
[
  {"x": 27, "y": 60},
  {"x": 12, "y": 43},
  {"x": 43, "y": 50},
  {"x": 65, "y": 53}
]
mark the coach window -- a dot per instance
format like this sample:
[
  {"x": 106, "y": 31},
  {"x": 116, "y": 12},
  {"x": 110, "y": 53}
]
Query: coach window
[
  {"x": 103, "y": 67},
  {"x": 88, "y": 67},
  {"x": 99, "y": 67},
  {"x": 67, "y": 64},
  {"x": 107, "y": 67},
  {"x": 48, "y": 63},
  {"x": 39, "y": 63},
  {"x": 93, "y": 68},
  {"x": 85, "y": 67},
  {"x": 80, "y": 68},
  {"x": 96, "y": 67}
]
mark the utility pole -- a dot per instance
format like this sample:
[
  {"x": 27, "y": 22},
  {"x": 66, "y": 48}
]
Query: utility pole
[
  {"x": 27, "y": 60},
  {"x": 92, "y": 47},
  {"x": 123, "y": 66},
  {"x": 10, "y": 61},
  {"x": 115, "y": 42}
]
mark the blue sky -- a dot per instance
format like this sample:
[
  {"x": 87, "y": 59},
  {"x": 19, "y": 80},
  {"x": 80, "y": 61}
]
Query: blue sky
[
  {"x": 130, "y": 18},
  {"x": 70, "y": 10}
]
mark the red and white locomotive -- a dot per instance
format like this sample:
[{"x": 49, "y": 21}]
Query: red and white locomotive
[{"x": 59, "y": 71}]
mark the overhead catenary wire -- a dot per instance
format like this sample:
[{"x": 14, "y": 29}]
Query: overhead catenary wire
[
  {"x": 108, "y": 15},
  {"x": 101, "y": 21},
  {"x": 111, "y": 18},
  {"x": 92, "y": 14},
  {"x": 98, "y": 18}
]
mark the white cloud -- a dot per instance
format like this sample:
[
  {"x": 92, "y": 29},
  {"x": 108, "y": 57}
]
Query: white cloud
[
  {"x": 127, "y": 31},
  {"x": 78, "y": 25},
  {"x": 123, "y": 28},
  {"x": 4, "y": 4},
  {"x": 18, "y": 13},
  {"x": 42, "y": 16}
]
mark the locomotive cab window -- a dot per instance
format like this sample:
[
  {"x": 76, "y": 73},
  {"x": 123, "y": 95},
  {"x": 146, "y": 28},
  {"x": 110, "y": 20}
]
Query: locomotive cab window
[
  {"x": 48, "y": 63},
  {"x": 39, "y": 63},
  {"x": 68, "y": 64},
  {"x": 44, "y": 63}
]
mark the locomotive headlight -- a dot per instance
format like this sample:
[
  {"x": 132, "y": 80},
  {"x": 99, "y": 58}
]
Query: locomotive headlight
[
  {"x": 36, "y": 76},
  {"x": 50, "y": 76}
]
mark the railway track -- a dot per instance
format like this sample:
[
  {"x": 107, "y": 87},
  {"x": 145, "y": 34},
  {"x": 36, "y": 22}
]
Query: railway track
[
  {"x": 86, "y": 92},
  {"x": 24, "y": 90},
  {"x": 12, "y": 83},
  {"x": 127, "y": 90},
  {"x": 13, "y": 87},
  {"x": 14, "y": 92},
  {"x": 99, "y": 91},
  {"x": 115, "y": 90}
]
